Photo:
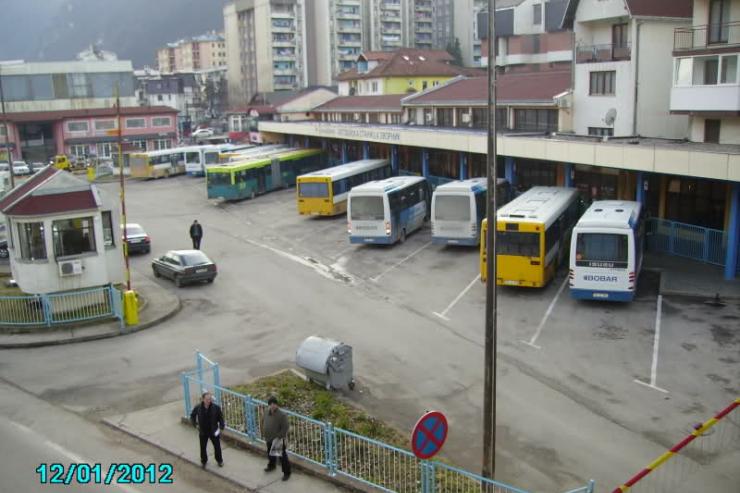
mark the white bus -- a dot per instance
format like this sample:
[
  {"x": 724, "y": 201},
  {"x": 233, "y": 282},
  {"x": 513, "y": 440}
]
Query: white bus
[
  {"x": 386, "y": 211},
  {"x": 459, "y": 207},
  {"x": 196, "y": 158},
  {"x": 606, "y": 251},
  {"x": 325, "y": 192},
  {"x": 230, "y": 156}
]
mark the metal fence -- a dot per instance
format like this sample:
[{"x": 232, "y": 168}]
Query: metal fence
[
  {"x": 41, "y": 310},
  {"x": 687, "y": 240},
  {"x": 339, "y": 451},
  {"x": 711, "y": 35}
]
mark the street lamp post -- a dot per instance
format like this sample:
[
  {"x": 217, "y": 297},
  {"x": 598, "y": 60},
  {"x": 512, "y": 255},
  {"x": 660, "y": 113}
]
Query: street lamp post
[{"x": 489, "y": 392}]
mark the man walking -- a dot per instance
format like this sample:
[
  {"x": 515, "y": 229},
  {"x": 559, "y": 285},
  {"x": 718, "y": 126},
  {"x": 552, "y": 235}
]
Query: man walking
[
  {"x": 209, "y": 420},
  {"x": 275, "y": 427},
  {"x": 196, "y": 234}
]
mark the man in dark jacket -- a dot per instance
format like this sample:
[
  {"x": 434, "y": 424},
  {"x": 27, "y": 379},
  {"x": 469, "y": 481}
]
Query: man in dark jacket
[
  {"x": 274, "y": 426},
  {"x": 196, "y": 234},
  {"x": 209, "y": 420}
]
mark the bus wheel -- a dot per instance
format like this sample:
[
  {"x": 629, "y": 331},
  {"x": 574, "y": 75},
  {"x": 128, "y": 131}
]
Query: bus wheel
[{"x": 403, "y": 236}]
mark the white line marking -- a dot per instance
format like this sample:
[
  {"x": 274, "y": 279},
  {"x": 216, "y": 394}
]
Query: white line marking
[
  {"x": 374, "y": 279},
  {"x": 550, "y": 308},
  {"x": 656, "y": 346},
  {"x": 66, "y": 453},
  {"x": 444, "y": 313}
]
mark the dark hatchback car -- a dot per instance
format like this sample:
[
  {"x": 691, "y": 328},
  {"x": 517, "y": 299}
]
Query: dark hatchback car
[
  {"x": 185, "y": 267},
  {"x": 137, "y": 239}
]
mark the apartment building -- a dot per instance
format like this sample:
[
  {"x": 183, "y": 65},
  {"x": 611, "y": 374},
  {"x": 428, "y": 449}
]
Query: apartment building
[
  {"x": 706, "y": 81},
  {"x": 406, "y": 23},
  {"x": 189, "y": 55},
  {"x": 624, "y": 66},
  {"x": 266, "y": 46}
]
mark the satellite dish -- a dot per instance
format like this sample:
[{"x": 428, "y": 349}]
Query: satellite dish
[{"x": 610, "y": 116}]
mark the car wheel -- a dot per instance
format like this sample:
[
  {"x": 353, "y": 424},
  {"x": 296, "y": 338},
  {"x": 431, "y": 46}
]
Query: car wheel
[
  {"x": 210, "y": 280},
  {"x": 403, "y": 236},
  {"x": 156, "y": 273},
  {"x": 4, "y": 253},
  {"x": 178, "y": 281}
]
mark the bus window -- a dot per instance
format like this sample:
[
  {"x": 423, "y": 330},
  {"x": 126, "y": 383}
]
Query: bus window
[
  {"x": 452, "y": 208},
  {"x": 219, "y": 179},
  {"x": 367, "y": 208},
  {"x": 310, "y": 189},
  {"x": 211, "y": 157},
  {"x": 602, "y": 247},
  {"x": 517, "y": 244},
  {"x": 192, "y": 157}
]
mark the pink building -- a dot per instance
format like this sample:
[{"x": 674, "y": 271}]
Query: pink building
[{"x": 87, "y": 133}]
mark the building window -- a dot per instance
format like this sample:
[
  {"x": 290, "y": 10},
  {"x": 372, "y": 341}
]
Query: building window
[
  {"x": 537, "y": 17},
  {"x": 480, "y": 117},
  {"x": 108, "y": 239},
  {"x": 162, "y": 144},
  {"x": 105, "y": 125},
  {"x": 31, "y": 240},
  {"x": 711, "y": 131},
  {"x": 138, "y": 144},
  {"x": 601, "y": 131},
  {"x": 719, "y": 21},
  {"x": 77, "y": 127},
  {"x": 620, "y": 35},
  {"x": 73, "y": 236},
  {"x": 78, "y": 150},
  {"x": 3, "y": 131},
  {"x": 444, "y": 117},
  {"x": 535, "y": 120},
  {"x": 395, "y": 118},
  {"x": 374, "y": 86},
  {"x": 602, "y": 83},
  {"x": 79, "y": 87},
  {"x": 135, "y": 123},
  {"x": 163, "y": 121},
  {"x": 728, "y": 73},
  {"x": 424, "y": 85},
  {"x": 106, "y": 149}
]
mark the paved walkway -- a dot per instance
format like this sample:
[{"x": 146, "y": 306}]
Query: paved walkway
[
  {"x": 685, "y": 277},
  {"x": 162, "y": 427},
  {"x": 159, "y": 305}
]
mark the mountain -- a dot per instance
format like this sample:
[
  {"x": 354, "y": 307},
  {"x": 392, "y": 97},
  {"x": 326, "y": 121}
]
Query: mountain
[{"x": 37, "y": 30}]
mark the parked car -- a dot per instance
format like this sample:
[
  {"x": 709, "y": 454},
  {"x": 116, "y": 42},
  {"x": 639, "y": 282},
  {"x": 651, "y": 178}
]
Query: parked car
[
  {"x": 37, "y": 166},
  {"x": 185, "y": 267},
  {"x": 20, "y": 168},
  {"x": 4, "y": 166},
  {"x": 4, "y": 253},
  {"x": 203, "y": 132},
  {"x": 137, "y": 239}
]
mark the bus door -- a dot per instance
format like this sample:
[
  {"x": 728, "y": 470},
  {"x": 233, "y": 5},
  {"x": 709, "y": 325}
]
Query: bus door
[{"x": 277, "y": 176}]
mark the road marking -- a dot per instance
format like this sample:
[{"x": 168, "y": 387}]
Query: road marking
[
  {"x": 656, "y": 345},
  {"x": 374, "y": 279},
  {"x": 550, "y": 308},
  {"x": 444, "y": 313},
  {"x": 66, "y": 453}
]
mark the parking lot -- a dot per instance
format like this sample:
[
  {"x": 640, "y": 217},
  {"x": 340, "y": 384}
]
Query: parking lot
[{"x": 570, "y": 407}]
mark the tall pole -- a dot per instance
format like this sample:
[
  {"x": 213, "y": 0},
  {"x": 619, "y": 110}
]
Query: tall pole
[
  {"x": 7, "y": 133},
  {"x": 489, "y": 396},
  {"x": 123, "y": 187}
]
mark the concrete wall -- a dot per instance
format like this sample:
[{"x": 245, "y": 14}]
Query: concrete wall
[
  {"x": 729, "y": 130},
  {"x": 590, "y": 10},
  {"x": 233, "y": 62},
  {"x": 589, "y": 111},
  {"x": 263, "y": 48}
]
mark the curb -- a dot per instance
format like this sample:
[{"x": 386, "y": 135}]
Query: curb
[
  {"x": 685, "y": 294},
  {"x": 183, "y": 458},
  {"x": 96, "y": 337}
]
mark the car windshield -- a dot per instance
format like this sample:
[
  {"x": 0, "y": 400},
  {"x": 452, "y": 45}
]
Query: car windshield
[
  {"x": 194, "y": 258},
  {"x": 134, "y": 230}
]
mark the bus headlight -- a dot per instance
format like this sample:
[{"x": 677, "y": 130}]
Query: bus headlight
[
  {"x": 387, "y": 228},
  {"x": 349, "y": 227}
]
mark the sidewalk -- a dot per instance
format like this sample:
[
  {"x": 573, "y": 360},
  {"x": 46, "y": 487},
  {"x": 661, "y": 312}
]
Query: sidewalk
[
  {"x": 162, "y": 427},
  {"x": 159, "y": 305},
  {"x": 685, "y": 277}
]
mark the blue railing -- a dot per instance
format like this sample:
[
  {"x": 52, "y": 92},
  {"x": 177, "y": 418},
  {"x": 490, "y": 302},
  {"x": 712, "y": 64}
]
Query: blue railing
[
  {"x": 340, "y": 452},
  {"x": 53, "y": 309},
  {"x": 687, "y": 240}
]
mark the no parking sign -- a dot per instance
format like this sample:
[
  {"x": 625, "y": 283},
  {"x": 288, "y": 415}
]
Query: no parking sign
[{"x": 429, "y": 434}]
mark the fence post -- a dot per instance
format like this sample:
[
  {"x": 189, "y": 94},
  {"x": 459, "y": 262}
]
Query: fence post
[
  {"x": 427, "y": 476},
  {"x": 591, "y": 486},
  {"x": 199, "y": 369},
  {"x": 46, "y": 307},
  {"x": 186, "y": 393},
  {"x": 330, "y": 449},
  {"x": 217, "y": 383},
  {"x": 249, "y": 422}
]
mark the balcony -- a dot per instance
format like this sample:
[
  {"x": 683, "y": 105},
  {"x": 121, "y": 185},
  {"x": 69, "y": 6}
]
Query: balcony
[
  {"x": 706, "y": 38},
  {"x": 602, "y": 53},
  {"x": 706, "y": 84}
]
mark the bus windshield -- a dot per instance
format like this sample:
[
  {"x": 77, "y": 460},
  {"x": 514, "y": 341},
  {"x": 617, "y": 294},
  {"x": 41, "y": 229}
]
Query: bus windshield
[
  {"x": 219, "y": 178},
  {"x": 518, "y": 244},
  {"x": 602, "y": 247},
  {"x": 367, "y": 208},
  {"x": 452, "y": 208},
  {"x": 313, "y": 190}
]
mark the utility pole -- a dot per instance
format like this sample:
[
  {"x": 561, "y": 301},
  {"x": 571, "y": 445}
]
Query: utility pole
[
  {"x": 489, "y": 391},
  {"x": 123, "y": 188},
  {"x": 7, "y": 132}
]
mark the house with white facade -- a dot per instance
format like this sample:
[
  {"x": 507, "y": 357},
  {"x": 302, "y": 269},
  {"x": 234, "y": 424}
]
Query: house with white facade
[
  {"x": 624, "y": 65},
  {"x": 63, "y": 234}
]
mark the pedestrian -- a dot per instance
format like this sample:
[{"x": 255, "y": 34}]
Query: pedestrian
[
  {"x": 209, "y": 420},
  {"x": 275, "y": 427},
  {"x": 196, "y": 234}
]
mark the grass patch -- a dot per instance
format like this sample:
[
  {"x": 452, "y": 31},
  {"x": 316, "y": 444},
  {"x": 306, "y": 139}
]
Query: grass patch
[{"x": 6, "y": 290}]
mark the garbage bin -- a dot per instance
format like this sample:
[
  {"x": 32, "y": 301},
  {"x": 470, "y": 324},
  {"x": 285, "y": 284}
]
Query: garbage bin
[{"x": 326, "y": 362}]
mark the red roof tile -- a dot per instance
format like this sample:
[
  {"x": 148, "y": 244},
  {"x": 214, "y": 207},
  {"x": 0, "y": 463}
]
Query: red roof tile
[
  {"x": 387, "y": 102},
  {"x": 27, "y": 187},
  {"x": 410, "y": 63},
  {"x": 28, "y": 116},
  {"x": 56, "y": 203}
]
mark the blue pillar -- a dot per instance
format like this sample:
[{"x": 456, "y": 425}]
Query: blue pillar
[
  {"x": 640, "y": 187},
  {"x": 568, "y": 174},
  {"x": 394, "y": 159},
  {"x": 425, "y": 163},
  {"x": 366, "y": 150},
  {"x": 510, "y": 170},
  {"x": 733, "y": 233},
  {"x": 344, "y": 152},
  {"x": 463, "y": 166},
  {"x": 306, "y": 143}
]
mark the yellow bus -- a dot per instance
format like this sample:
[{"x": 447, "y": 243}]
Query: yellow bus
[
  {"x": 157, "y": 164},
  {"x": 324, "y": 192},
  {"x": 532, "y": 236}
]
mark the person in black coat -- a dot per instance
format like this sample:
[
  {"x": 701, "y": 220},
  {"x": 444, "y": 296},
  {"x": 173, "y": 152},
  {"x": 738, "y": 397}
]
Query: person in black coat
[
  {"x": 209, "y": 420},
  {"x": 196, "y": 234}
]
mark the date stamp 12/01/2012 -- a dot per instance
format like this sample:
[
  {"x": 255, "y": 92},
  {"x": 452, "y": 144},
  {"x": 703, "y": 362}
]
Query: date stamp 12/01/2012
[{"x": 83, "y": 473}]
